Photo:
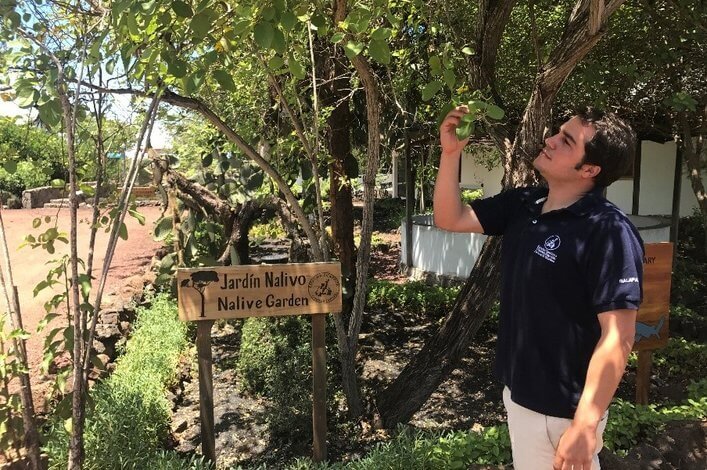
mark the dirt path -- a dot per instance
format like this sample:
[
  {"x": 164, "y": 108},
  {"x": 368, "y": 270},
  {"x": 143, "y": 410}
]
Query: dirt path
[{"x": 29, "y": 267}]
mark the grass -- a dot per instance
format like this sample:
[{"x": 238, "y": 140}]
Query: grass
[{"x": 128, "y": 421}]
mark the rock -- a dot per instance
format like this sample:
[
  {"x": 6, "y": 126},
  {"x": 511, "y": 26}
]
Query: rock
[
  {"x": 13, "y": 202},
  {"x": 109, "y": 317},
  {"x": 99, "y": 347},
  {"x": 104, "y": 359},
  {"x": 106, "y": 331},
  {"x": 125, "y": 327},
  {"x": 180, "y": 425}
]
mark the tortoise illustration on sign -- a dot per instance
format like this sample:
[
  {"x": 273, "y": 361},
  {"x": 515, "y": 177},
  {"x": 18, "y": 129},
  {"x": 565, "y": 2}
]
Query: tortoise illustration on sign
[
  {"x": 323, "y": 287},
  {"x": 199, "y": 281},
  {"x": 645, "y": 331}
]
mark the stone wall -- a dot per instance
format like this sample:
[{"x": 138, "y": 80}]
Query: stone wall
[{"x": 37, "y": 197}]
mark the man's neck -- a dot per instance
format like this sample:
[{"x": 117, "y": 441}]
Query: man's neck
[{"x": 561, "y": 196}]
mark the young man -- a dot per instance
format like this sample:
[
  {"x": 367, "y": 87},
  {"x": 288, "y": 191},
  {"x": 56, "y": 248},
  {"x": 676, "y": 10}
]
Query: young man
[{"x": 571, "y": 284}]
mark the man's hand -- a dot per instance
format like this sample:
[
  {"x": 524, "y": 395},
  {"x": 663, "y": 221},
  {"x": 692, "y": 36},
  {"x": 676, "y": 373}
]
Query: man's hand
[
  {"x": 576, "y": 448},
  {"x": 447, "y": 131}
]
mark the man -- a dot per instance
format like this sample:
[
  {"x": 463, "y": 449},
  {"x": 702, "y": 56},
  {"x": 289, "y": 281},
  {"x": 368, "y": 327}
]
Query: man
[{"x": 570, "y": 286}]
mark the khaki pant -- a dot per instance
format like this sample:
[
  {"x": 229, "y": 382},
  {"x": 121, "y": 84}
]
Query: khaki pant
[{"x": 534, "y": 436}]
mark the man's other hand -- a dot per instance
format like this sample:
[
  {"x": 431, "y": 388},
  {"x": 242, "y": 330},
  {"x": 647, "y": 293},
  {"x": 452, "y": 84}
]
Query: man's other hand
[{"x": 576, "y": 449}]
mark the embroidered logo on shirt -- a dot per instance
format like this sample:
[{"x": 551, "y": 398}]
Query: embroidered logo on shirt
[
  {"x": 546, "y": 251},
  {"x": 628, "y": 279}
]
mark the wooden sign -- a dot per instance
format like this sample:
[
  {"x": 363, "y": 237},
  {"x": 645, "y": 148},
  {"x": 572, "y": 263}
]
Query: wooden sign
[
  {"x": 258, "y": 290},
  {"x": 652, "y": 320}
]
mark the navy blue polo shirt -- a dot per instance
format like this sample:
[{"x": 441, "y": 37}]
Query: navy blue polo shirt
[{"x": 559, "y": 271}]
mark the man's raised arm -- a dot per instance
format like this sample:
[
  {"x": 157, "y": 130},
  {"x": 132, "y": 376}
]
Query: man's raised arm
[{"x": 449, "y": 212}]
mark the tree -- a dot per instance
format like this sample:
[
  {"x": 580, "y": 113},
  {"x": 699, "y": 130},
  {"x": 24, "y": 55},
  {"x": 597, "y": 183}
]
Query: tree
[
  {"x": 199, "y": 281},
  {"x": 584, "y": 28}
]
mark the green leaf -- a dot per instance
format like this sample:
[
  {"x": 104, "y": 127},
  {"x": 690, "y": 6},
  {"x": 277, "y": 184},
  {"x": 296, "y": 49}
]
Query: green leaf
[
  {"x": 296, "y": 69},
  {"x": 182, "y": 9},
  {"x": 224, "y": 79},
  {"x": 263, "y": 34},
  {"x": 123, "y": 233},
  {"x": 110, "y": 66},
  {"x": 276, "y": 62},
  {"x": 494, "y": 112},
  {"x": 352, "y": 49},
  {"x": 337, "y": 38},
  {"x": 202, "y": 22},
  {"x": 379, "y": 51},
  {"x": 176, "y": 67},
  {"x": 10, "y": 166},
  {"x": 58, "y": 183},
  {"x": 319, "y": 21},
  {"x": 435, "y": 65},
  {"x": 288, "y": 20},
  {"x": 278, "y": 41},
  {"x": 269, "y": 13},
  {"x": 381, "y": 34},
  {"x": 163, "y": 228},
  {"x": 464, "y": 130},
  {"x": 468, "y": 51},
  {"x": 431, "y": 89},
  {"x": 85, "y": 283},
  {"x": 36, "y": 222},
  {"x": 450, "y": 79},
  {"x": 138, "y": 216},
  {"x": 133, "y": 27},
  {"x": 207, "y": 160},
  {"x": 193, "y": 82},
  {"x": 26, "y": 97}
]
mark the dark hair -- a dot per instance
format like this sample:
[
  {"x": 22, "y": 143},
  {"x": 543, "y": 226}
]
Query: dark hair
[{"x": 612, "y": 148}]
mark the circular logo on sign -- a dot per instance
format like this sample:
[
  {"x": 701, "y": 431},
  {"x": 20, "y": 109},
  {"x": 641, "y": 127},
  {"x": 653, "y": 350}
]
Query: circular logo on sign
[
  {"x": 323, "y": 288},
  {"x": 552, "y": 243}
]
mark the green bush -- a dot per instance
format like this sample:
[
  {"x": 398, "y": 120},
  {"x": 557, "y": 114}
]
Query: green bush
[
  {"x": 129, "y": 418},
  {"x": 28, "y": 175},
  {"x": 388, "y": 214},
  {"x": 682, "y": 357},
  {"x": 414, "y": 297},
  {"x": 275, "y": 361},
  {"x": 630, "y": 424},
  {"x": 469, "y": 195},
  {"x": 420, "y": 450}
]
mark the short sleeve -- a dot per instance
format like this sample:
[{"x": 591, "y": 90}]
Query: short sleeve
[
  {"x": 615, "y": 266},
  {"x": 494, "y": 213}
]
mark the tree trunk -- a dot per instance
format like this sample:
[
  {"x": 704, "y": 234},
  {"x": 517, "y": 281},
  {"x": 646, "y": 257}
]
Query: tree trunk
[
  {"x": 441, "y": 354},
  {"x": 693, "y": 160}
]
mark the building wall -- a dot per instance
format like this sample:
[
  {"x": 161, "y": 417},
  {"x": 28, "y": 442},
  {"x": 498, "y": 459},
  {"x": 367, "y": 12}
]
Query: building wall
[{"x": 656, "y": 197}]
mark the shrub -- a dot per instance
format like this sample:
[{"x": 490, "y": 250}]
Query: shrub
[
  {"x": 629, "y": 424},
  {"x": 420, "y": 450},
  {"x": 469, "y": 195},
  {"x": 129, "y": 417},
  {"x": 27, "y": 175},
  {"x": 414, "y": 297},
  {"x": 275, "y": 361},
  {"x": 389, "y": 214}
]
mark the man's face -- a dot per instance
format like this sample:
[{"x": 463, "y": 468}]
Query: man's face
[{"x": 563, "y": 153}]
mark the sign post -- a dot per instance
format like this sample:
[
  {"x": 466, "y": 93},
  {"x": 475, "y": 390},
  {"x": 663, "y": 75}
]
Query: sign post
[
  {"x": 653, "y": 315},
  {"x": 208, "y": 294}
]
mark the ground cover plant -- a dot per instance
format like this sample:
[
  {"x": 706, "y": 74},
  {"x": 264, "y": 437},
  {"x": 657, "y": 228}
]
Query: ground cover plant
[{"x": 128, "y": 421}]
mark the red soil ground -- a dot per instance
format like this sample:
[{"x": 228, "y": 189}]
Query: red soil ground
[{"x": 29, "y": 268}]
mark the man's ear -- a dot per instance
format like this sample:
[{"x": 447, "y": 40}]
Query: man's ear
[{"x": 590, "y": 171}]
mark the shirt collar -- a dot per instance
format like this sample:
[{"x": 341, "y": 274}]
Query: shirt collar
[
  {"x": 588, "y": 201},
  {"x": 535, "y": 199}
]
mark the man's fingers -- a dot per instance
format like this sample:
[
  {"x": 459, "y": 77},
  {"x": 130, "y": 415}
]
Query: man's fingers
[{"x": 557, "y": 463}]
